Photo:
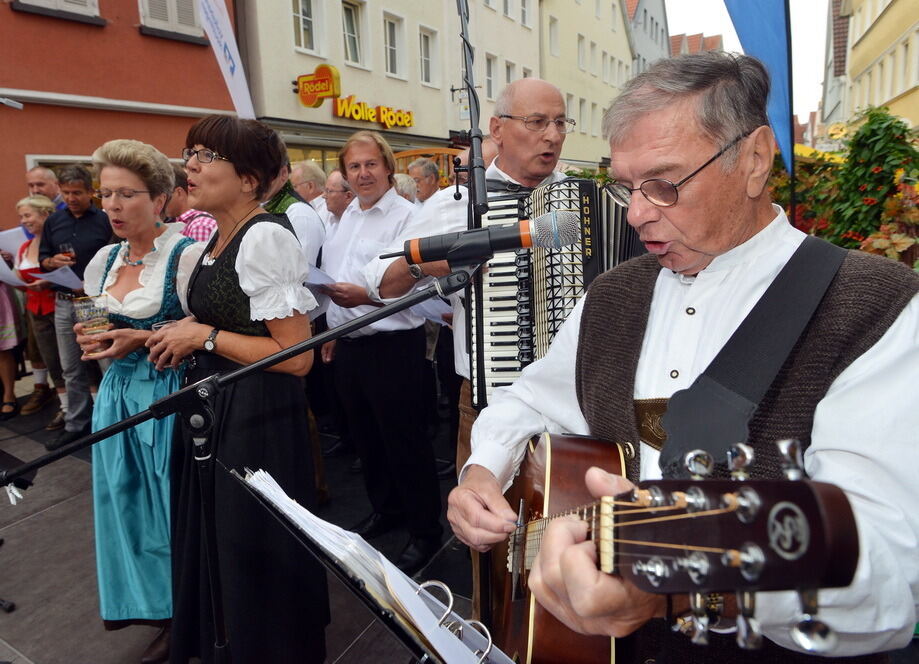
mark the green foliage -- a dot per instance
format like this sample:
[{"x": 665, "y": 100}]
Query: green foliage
[
  {"x": 602, "y": 177},
  {"x": 881, "y": 145}
]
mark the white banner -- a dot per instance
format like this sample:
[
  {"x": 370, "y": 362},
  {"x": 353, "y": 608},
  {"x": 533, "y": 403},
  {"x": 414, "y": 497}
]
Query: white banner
[{"x": 216, "y": 24}]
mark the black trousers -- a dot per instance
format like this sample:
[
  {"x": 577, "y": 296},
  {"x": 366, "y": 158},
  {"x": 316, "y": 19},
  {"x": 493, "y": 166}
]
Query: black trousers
[{"x": 380, "y": 382}]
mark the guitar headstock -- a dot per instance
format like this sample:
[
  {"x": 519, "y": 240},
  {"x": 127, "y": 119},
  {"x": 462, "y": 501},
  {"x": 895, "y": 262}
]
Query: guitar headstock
[{"x": 700, "y": 536}]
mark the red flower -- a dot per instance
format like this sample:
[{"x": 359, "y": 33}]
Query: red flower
[
  {"x": 869, "y": 201},
  {"x": 863, "y": 187},
  {"x": 876, "y": 169}
]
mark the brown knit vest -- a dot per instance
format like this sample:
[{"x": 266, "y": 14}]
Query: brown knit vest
[{"x": 863, "y": 301}]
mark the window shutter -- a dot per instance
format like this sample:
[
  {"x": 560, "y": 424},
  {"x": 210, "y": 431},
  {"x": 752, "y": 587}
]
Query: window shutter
[{"x": 185, "y": 13}]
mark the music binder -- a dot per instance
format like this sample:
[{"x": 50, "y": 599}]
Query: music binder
[{"x": 428, "y": 627}]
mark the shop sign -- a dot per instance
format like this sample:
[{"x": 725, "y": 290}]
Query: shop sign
[
  {"x": 314, "y": 88},
  {"x": 347, "y": 107}
]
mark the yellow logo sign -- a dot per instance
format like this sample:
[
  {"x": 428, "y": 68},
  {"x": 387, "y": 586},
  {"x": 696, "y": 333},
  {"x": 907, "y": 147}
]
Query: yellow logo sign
[
  {"x": 314, "y": 88},
  {"x": 346, "y": 107}
]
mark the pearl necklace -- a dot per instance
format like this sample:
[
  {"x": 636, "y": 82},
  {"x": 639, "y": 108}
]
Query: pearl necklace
[{"x": 125, "y": 256}]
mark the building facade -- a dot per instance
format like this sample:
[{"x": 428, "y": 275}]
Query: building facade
[
  {"x": 835, "y": 80},
  {"x": 883, "y": 56},
  {"x": 650, "y": 34},
  {"x": 587, "y": 52},
  {"x": 389, "y": 65},
  {"x": 88, "y": 71}
]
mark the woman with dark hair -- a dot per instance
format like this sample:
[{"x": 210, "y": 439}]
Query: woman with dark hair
[{"x": 247, "y": 301}]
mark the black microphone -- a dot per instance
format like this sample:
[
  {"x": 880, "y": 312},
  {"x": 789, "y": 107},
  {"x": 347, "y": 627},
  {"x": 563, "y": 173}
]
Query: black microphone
[{"x": 551, "y": 230}]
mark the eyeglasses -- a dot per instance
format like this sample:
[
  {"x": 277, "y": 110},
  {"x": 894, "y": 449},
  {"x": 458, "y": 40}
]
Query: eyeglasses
[
  {"x": 337, "y": 191},
  {"x": 204, "y": 155},
  {"x": 124, "y": 193},
  {"x": 540, "y": 122},
  {"x": 660, "y": 192}
]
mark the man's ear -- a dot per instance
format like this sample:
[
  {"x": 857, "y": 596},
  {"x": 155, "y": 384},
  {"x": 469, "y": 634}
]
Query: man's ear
[
  {"x": 760, "y": 156},
  {"x": 494, "y": 130}
]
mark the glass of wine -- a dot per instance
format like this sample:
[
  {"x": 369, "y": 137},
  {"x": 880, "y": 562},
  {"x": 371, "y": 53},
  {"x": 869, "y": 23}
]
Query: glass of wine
[
  {"x": 67, "y": 249},
  {"x": 92, "y": 312}
]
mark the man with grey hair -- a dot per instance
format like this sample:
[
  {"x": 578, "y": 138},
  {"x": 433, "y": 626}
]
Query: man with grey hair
[
  {"x": 42, "y": 181},
  {"x": 308, "y": 180},
  {"x": 691, "y": 152},
  {"x": 426, "y": 175},
  {"x": 405, "y": 187}
]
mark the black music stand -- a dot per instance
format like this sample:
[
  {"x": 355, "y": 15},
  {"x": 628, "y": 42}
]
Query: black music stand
[{"x": 7, "y": 462}]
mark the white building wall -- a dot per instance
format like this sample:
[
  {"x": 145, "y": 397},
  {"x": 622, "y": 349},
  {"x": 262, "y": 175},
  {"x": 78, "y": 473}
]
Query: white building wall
[
  {"x": 275, "y": 60},
  {"x": 587, "y": 53},
  {"x": 650, "y": 35}
]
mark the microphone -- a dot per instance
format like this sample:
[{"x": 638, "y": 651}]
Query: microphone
[{"x": 551, "y": 230}]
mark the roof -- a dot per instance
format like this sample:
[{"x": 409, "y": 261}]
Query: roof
[
  {"x": 680, "y": 44},
  {"x": 631, "y": 7}
]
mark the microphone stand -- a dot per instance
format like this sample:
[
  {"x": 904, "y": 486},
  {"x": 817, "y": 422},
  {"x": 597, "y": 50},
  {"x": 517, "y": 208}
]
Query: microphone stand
[
  {"x": 195, "y": 404},
  {"x": 476, "y": 168}
]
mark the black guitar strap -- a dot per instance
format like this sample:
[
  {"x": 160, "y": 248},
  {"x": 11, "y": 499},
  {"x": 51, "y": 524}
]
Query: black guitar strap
[{"x": 714, "y": 412}]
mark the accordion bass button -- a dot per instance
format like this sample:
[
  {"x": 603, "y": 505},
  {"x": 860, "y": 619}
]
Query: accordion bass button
[{"x": 628, "y": 450}]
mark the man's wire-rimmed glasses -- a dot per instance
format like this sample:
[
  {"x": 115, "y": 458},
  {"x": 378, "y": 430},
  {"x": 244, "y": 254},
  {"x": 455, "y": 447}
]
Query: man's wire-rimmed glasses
[
  {"x": 541, "y": 122},
  {"x": 204, "y": 155},
  {"x": 661, "y": 192}
]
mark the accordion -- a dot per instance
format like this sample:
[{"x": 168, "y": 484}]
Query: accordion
[{"x": 521, "y": 301}]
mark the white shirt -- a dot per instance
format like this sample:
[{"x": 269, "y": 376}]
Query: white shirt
[
  {"x": 319, "y": 205},
  {"x": 444, "y": 214},
  {"x": 361, "y": 236},
  {"x": 864, "y": 437},
  {"x": 146, "y": 301},
  {"x": 309, "y": 228},
  {"x": 272, "y": 270}
]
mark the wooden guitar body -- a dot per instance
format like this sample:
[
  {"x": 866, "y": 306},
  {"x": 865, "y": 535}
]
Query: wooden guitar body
[{"x": 519, "y": 625}]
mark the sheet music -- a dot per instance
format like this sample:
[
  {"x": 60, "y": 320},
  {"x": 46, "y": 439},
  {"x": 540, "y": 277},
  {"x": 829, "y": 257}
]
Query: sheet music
[
  {"x": 11, "y": 240},
  {"x": 392, "y": 589},
  {"x": 64, "y": 276},
  {"x": 8, "y": 276}
]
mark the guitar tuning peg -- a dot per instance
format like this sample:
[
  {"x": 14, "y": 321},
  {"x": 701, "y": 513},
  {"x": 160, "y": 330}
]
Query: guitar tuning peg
[
  {"x": 792, "y": 458},
  {"x": 698, "y": 632},
  {"x": 740, "y": 456},
  {"x": 699, "y": 463},
  {"x": 810, "y": 633},
  {"x": 749, "y": 632}
]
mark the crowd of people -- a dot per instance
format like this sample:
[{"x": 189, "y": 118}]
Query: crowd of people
[{"x": 203, "y": 269}]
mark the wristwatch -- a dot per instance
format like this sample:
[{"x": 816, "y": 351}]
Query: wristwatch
[
  {"x": 210, "y": 344},
  {"x": 416, "y": 271}
]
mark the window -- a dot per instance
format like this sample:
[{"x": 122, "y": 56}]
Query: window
[
  {"x": 86, "y": 7},
  {"x": 582, "y": 115},
  {"x": 569, "y": 105},
  {"x": 622, "y": 74},
  {"x": 593, "y": 58},
  {"x": 525, "y": 12},
  {"x": 510, "y": 72},
  {"x": 351, "y": 30},
  {"x": 305, "y": 35},
  {"x": 644, "y": 20},
  {"x": 427, "y": 51},
  {"x": 490, "y": 3},
  {"x": 613, "y": 14},
  {"x": 507, "y": 8},
  {"x": 553, "y": 36},
  {"x": 393, "y": 49},
  {"x": 171, "y": 15},
  {"x": 598, "y": 8},
  {"x": 605, "y": 59},
  {"x": 594, "y": 120},
  {"x": 491, "y": 64},
  {"x": 904, "y": 66},
  {"x": 526, "y": 73},
  {"x": 582, "y": 53}
]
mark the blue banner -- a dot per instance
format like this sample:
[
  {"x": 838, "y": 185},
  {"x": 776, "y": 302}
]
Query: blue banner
[{"x": 763, "y": 30}]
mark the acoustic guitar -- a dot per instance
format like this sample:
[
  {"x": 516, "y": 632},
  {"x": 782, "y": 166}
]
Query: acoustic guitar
[{"x": 695, "y": 536}]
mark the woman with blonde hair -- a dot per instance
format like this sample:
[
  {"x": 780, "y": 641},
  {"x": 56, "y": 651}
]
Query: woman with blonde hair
[
  {"x": 142, "y": 281},
  {"x": 33, "y": 211}
]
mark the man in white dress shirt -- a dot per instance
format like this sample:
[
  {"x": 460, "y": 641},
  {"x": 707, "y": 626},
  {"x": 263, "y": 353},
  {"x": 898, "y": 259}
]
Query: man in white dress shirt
[
  {"x": 527, "y": 133},
  {"x": 718, "y": 242},
  {"x": 309, "y": 180},
  {"x": 338, "y": 196},
  {"x": 379, "y": 368},
  {"x": 426, "y": 175}
]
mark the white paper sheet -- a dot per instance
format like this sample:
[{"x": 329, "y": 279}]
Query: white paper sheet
[
  {"x": 7, "y": 276},
  {"x": 64, "y": 276},
  {"x": 433, "y": 309},
  {"x": 12, "y": 239}
]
